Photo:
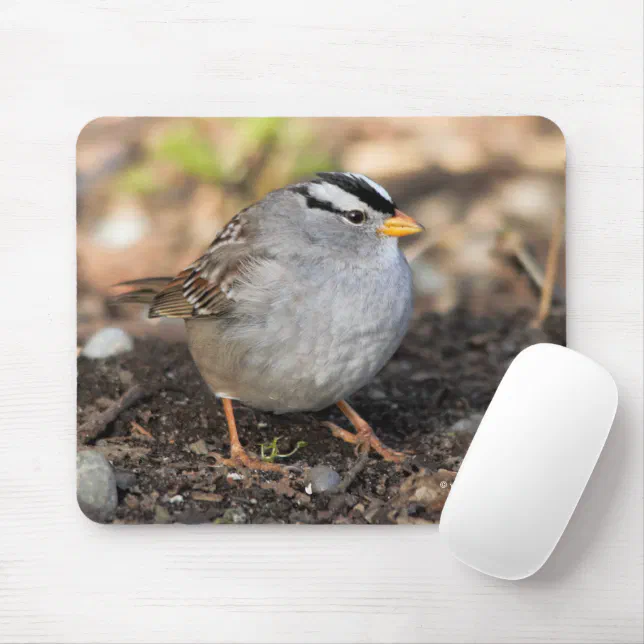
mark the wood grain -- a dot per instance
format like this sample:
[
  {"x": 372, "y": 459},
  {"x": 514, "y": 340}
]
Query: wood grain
[{"x": 62, "y": 64}]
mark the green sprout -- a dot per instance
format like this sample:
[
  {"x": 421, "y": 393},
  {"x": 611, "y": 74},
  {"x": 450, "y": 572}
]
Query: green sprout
[{"x": 269, "y": 451}]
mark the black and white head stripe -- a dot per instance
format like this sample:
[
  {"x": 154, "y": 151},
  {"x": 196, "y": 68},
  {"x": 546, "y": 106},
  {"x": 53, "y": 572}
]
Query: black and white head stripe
[
  {"x": 345, "y": 191},
  {"x": 368, "y": 191}
]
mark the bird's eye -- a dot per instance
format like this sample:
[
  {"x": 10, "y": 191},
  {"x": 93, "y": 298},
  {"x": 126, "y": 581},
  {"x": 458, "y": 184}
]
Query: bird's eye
[{"x": 355, "y": 217}]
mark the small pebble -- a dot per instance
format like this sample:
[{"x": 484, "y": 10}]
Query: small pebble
[
  {"x": 108, "y": 341},
  {"x": 414, "y": 508},
  {"x": 359, "y": 507},
  {"x": 321, "y": 478},
  {"x": 95, "y": 486},
  {"x": 377, "y": 394},
  {"x": 125, "y": 376},
  {"x": 470, "y": 424},
  {"x": 233, "y": 515},
  {"x": 124, "y": 479},
  {"x": 509, "y": 346},
  {"x": 131, "y": 501},
  {"x": 199, "y": 447},
  {"x": 374, "y": 507},
  {"x": 161, "y": 515},
  {"x": 350, "y": 500},
  {"x": 103, "y": 402},
  {"x": 337, "y": 503}
]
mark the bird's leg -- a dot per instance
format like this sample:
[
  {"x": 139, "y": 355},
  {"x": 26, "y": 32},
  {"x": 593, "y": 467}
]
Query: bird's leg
[
  {"x": 364, "y": 438},
  {"x": 239, "y": 458}
]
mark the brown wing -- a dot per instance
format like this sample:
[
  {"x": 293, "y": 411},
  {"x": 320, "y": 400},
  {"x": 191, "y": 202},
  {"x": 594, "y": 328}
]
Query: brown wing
[{"x": 204, "y": 288}]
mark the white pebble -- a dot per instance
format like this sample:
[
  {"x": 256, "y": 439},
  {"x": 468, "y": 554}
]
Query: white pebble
[
  {"x": 108, "y": 341},
  {"x": 321, "y": 478},
  {"x": 470, "y": 424},
  {"x": 123, "y": 227}
]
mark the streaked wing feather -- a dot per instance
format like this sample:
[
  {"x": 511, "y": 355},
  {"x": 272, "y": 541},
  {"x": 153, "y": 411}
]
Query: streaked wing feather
[
  {"x": 150, "y": 282},
  {"x": 197, "y": 291}
]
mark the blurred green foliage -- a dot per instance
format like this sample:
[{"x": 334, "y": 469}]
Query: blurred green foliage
[
  {"x": 287, "y": 150},
  {"x": 307, "y": 163},
  {"x": 138, "y": 179},
  {"x": 260, "y": 131},
  {"x": 189, "y": 151}
]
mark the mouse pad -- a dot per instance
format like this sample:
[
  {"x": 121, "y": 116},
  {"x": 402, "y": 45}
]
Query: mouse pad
[{"x": 303, "y": 320}]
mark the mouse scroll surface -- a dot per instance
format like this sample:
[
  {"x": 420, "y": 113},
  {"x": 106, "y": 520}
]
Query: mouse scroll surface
[{"x": 529, "y": 461}]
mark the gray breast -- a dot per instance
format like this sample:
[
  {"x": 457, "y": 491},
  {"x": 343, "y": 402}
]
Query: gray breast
[{"x": 303, "y": 337}]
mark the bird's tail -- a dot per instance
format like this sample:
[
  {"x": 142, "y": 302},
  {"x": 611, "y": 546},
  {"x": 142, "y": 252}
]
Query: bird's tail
[{"x": 141, "y": 291}]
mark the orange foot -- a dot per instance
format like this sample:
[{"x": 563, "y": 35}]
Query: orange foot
[
  {"x": 240, "y": 459},
  {"x": 364, "y": 439}
]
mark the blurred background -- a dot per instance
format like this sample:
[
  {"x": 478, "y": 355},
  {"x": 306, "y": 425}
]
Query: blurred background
[{"x": 153, "y": 192}]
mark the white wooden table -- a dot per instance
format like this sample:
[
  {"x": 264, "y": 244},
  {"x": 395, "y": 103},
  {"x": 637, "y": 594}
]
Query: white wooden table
[{"x": 63, "y": 579}]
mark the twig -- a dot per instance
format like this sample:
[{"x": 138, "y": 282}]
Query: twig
[
  {"x": 552, "y": 263},
  {"x": 352, "y": 474},
  {"x": 338, "y": 502},
  {"x": 510, "y": 243},
  {"x": 141, "y": 430},
  {"x": 91, "y": 429},
  {"x": 96, "y": 425}
]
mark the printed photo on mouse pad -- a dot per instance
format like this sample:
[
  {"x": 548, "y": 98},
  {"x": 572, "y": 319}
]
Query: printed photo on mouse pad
[{"x": 303, "y": 320}]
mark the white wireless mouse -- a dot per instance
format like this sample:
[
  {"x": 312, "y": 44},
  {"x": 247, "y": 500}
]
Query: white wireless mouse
[{"x": 529, "y": 461}]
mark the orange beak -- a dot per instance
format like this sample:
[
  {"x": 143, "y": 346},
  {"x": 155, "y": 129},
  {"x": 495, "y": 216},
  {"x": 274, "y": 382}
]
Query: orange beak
[{"x": 400, "y": 225}]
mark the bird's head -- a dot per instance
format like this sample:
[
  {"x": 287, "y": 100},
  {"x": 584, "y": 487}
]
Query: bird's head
[{"x": 342, "y": 212}]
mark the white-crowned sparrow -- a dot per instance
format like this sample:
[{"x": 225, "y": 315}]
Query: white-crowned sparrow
[{"x": 298, "y": 302}]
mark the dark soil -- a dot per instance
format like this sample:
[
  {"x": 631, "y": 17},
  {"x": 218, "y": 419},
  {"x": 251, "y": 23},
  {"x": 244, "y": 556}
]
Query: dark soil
[{"x": 427, "y": 401}]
